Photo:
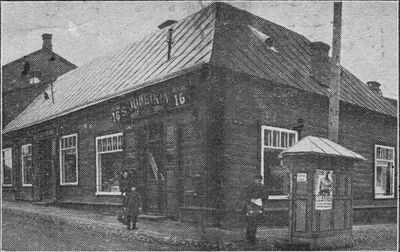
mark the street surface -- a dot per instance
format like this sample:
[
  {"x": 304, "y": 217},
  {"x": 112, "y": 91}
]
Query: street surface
[{"x": 22, "y": 233}]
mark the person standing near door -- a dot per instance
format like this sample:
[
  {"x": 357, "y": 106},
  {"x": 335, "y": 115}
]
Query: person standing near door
[
  {"x": 125, "y": 185},
  {"x": 133, "y": 208},
  {"x": 253, "y": 208}
]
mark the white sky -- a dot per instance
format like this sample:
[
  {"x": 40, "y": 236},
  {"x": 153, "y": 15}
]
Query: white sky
[{"x": 83, "y": 31}]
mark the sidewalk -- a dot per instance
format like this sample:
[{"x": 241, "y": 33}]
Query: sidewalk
[
  {"x": 168, "y": 231},
  {"x": 161, "y": 231}
]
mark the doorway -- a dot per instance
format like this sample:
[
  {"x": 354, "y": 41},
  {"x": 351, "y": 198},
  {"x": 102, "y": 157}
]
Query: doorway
[
  {"x": 45, "y": 173},
  {"x": 152, "y": 177}
]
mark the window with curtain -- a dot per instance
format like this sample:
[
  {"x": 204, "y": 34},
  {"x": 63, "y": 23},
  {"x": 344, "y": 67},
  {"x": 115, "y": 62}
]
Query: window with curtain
[
  {"x": 26, "y": 164},
  {"x": 69, "y": 160},
  {"x": 384, "y": 171}
]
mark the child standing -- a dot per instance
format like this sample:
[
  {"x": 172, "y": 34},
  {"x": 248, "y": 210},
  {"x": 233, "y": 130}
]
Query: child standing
[{"x": 133, "y": 207}]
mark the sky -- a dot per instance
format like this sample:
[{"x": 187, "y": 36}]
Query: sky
[{"x": 84, "y": 30}]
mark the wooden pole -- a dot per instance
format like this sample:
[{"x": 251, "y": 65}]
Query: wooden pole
[{"x": 334, "y": 87}]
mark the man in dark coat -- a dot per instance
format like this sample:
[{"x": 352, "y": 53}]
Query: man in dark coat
[
  {"x": 255, "y": 192},
  {"x": 133, "y": 207},
  {"x": 125, "y": 185}
]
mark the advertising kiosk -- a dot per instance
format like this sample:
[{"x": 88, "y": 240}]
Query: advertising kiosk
[{"x": 321, "y": 201}]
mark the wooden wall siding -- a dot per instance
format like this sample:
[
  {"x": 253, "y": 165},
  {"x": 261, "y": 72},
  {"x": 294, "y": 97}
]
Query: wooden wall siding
[
  {"x": 96, "y": 121},
  {"x": 250, "y": 102},
  {"x": 360, "y": 130}
]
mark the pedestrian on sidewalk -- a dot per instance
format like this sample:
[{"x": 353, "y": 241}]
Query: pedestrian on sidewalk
[
  {"x": 133, "y": 207},
  {"x": 253, "y": 208},
  {"x": 125, "y": 185}
]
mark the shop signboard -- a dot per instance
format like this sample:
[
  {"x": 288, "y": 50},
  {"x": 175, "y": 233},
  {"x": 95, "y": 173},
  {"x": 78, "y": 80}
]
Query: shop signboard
[
  {"x": 323, "y": 189},
  {"x": 150, "y": 102}
]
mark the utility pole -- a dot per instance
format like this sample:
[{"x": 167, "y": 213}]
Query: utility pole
[{"x": 335, "y": 78}]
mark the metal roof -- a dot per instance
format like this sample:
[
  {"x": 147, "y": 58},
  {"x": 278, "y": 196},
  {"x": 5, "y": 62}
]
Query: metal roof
[
  {"x": 320, "y": 146},
  {"x": 135, "y": 66},
  {"x": 219, "y": 35},
  {"x": 239, "y": 48}
]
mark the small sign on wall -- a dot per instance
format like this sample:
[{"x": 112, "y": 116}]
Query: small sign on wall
[
  {"x": 301, "y": 177},
  {"x": 150, "y": 102},
  {"x": 323, "y": 189}
]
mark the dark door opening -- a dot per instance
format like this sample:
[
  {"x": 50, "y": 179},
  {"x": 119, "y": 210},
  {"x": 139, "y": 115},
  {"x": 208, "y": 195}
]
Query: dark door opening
[
  {"x": 152, "y": 178},
  {"x": 45, "y": 170}
]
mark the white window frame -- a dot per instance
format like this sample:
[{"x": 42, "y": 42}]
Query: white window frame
[
  {"x": 2, "y": 168},
  {"x": 76, "y": 162},
  {"x": 392, "y": 161},
  {"x": 263, "y": 147},
  {"x": 98, "y": 171},
  {"x": 22, "y": 165}
]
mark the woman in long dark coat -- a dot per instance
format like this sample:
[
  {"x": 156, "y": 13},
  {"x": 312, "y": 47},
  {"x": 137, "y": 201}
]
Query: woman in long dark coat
[{"x": 133, "y": 206}]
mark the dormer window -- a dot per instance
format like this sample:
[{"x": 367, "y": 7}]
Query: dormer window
[
  {"x": 34, "y": 77},
  {"x": 268, "y": 41}
]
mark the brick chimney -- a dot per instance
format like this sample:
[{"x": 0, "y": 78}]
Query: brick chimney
[
  {"x": 320, "y": 64},
  {"x": 47, "y": 41},
  {"x": 375, "y": 86}
]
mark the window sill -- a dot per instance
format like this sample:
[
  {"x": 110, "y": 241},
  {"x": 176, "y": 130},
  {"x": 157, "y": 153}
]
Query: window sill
[
  {"x": 108, "y": 193},
  {"x": 278, "y": 197},
  {"x": 27, "y": 185},
  {"x": 69, "y": 184},
  {"x": 384, "y": 197}
]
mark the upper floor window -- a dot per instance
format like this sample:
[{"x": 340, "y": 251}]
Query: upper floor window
[
  {"x": 34, "y": 77},
  {"x": 7, "y": 167},
  {"x": 109, "y": 161},
  {"x": 69, "y": 160},
  {"x": 384, "y": 172},
  {"x": 26, "y": 164},
  {"x": 276, "y": 178}
]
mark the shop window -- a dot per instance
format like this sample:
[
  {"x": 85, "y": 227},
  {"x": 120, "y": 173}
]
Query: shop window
[
  {"x": 384, "y": 172},
  {"x": 109, "y": 162},
  {"x": 7, "y": 167},
  {"x": 276, "y": 178},
  {"x": 69, "y": 160},
  {"x": 26, "y": 164}
]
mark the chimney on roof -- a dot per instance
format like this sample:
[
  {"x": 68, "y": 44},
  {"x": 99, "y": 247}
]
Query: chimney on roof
[
  {"x": 320, "y": 64},
  {"x": 47, "y": 41},
  {"x": 167, "y": 23},
  {"x": 375, "y": 86}
]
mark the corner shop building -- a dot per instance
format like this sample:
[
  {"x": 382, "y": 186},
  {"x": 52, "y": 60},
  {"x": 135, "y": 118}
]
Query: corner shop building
[{"x": 196, "y": 126}]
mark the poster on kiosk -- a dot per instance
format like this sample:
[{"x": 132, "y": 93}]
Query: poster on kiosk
[{"x": 323, "y": 189}]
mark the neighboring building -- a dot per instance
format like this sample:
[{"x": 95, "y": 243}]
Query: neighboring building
[
  {"x": 27, "y": 77},
  {"x": 196, "y": 123}
]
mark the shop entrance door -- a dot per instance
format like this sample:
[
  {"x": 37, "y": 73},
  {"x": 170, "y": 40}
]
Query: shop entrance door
[
  {"x": 152, "y": 178},
  {"x": 45, "y": 171}
]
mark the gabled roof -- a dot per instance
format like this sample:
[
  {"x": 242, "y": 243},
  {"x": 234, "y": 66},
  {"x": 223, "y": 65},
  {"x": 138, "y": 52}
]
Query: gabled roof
[
  {"x": 18, "y": 84},
  {"x": 320, "y": 146},
  {"x": 219, "y": 35},
  {"x": 41, "y": 50}
]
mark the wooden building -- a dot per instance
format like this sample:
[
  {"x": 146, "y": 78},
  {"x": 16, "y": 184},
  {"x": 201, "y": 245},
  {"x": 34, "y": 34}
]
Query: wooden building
[
  {"x": 25, "y": 78},
  {"x": 196, "y": 119}
]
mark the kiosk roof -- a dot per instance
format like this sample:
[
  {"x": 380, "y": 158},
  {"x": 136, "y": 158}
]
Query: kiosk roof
[{"x": 320, "y": 146}]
